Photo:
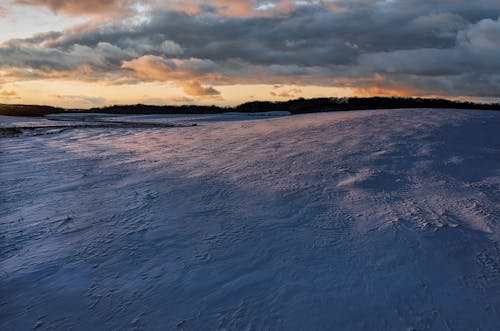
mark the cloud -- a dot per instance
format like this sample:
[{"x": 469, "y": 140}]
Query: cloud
[
  {"x": 181, "y": 99},
  {"x": 233, "y": 8},
  {"x": 6, "y": 94},
  {"x": 20, "y": 54},
  {"x": 477, "y": 49},
  {"x": 290, "y": 93},
  {"x": 80, "y": 100},
  {"x": 471, "y": 67},
  {"x": 413, "y": 46},
  {"x": 170, "y": 47},
  {"x": 194, "y": 88},
  {"x": 78, "y": 7},
  {"x": 483, "y": 35},
  {"x": 442, "y": 24},
  {"x": 240, "y": 8},
  {"x": 157, "y": 68}
]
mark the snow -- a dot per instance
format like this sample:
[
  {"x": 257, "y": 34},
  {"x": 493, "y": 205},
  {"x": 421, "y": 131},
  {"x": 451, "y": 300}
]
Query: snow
[
  {"x": 171, "y": 118},
  {"x": 385, "y": 219}
]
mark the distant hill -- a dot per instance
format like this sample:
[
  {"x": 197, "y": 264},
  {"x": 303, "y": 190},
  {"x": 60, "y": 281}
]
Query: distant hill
[{"x": 297, "y": 106}]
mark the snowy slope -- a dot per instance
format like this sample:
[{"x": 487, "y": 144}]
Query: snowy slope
[{"x": 358, "y": 220}]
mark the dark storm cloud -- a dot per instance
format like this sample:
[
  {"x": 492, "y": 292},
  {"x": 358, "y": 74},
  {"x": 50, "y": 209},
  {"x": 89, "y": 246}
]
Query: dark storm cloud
[
  {"x": 18, "y": 54},
  {"x": 414, "y": 43},
  {"x": 308, "y": 35}
]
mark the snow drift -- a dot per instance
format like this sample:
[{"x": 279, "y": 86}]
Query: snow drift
[{"x": 357, "y": 220}]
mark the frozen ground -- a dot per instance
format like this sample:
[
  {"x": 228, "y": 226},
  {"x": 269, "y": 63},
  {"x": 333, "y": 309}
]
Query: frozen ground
[{"x": 369, "y": 220}]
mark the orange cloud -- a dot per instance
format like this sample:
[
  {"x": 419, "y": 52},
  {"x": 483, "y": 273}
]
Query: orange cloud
[
  {"x": 8, "y": 95},
  {"x": 291, "y": 93},
  {"x": 366, "y": 87},
  {"x": 157, "y": 68},
  {"x": 194, "y": 88},
  {"x": 78, "y": 7},
  {"x": 186, "y": 72},
  {"x": 235, "y": 7},
  {"x": 80, "y": 73},
  {"x": 150, "y": 67},
  {"x": 191, "y": 7}
]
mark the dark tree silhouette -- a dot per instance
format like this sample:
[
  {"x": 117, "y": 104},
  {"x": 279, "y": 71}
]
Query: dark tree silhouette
[{"x": 297, "y": 106}]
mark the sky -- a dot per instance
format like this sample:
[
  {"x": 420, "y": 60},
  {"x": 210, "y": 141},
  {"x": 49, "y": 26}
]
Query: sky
[{"x": 82, "y": 54}]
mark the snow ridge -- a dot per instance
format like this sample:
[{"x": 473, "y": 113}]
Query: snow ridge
[{"x": 384, "y": 219}]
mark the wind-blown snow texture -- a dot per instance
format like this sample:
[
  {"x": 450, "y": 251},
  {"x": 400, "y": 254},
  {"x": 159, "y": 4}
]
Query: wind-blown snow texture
[{"x": 358, "y": 220}]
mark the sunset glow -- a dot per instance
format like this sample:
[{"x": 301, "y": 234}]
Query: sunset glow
[
  {"x": 249, "y": 165},
  {"x": 85, "y": 54}
]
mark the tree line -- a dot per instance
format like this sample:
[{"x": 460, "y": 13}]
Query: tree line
[{"x": 296, "y": 106}]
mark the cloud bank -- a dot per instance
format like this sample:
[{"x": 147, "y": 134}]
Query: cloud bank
[{"x": 413, "y": 47}]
